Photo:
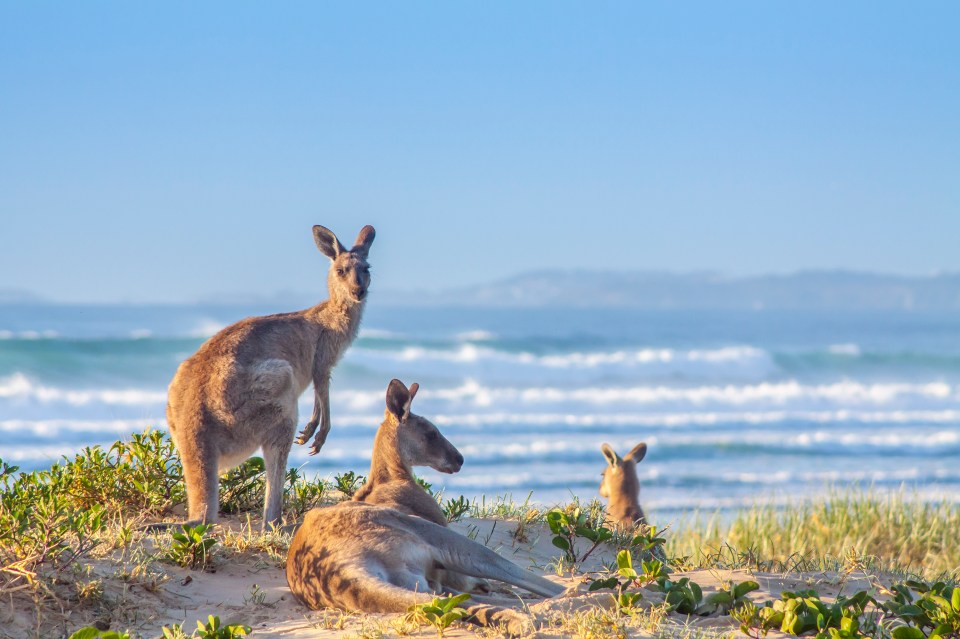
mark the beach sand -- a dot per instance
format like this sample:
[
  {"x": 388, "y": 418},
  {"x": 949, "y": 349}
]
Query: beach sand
[{"x": 248, "y": 586}]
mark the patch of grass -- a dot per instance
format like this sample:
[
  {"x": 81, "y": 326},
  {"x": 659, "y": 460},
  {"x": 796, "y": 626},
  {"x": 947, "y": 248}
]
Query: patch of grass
[
  {"x": 501, "y": 507},
  {"x": 191, "y": 546},
  {"x": 455, "y": 509},
  {"x": 349, "y": 482},
  {"x": 890, "y": 532},
  {"x": 439, "y": 613}
]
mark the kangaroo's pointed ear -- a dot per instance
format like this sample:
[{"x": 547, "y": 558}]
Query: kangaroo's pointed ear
[
  {"x": 327, "y": 242},
  {"x": 612, "y": 457},
  {"x": 364, "y": 239},
  {"x": 414, "y": 387},
  {"x": 638, "y": 453},
  {"x": 398, "y": 397}
]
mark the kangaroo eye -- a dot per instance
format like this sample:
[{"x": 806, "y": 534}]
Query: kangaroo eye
[{"x": 340, "y": 271}]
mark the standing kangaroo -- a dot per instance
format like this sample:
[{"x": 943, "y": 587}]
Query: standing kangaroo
[
  {"x": 239, "y": 391},
  {"x": 366, "y": 556},
  {"x": 621, "y": 486}
]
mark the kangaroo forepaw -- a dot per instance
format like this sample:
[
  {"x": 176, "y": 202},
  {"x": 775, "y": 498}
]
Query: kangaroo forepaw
[
  {"x": 479, "y": 586},
  {"x": 318, "y": 442},
  {"x": 306, "y": 434}
]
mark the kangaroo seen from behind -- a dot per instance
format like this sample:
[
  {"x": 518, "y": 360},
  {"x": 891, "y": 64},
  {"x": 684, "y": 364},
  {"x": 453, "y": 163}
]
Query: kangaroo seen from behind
[
  {"x": 389, "y": 547},
  {"x": 621, "y": 486},
  {"x": 239, "y": 391}
]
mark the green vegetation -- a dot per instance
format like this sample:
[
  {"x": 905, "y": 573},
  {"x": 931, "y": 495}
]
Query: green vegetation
[
  {"x": 94, "y": 633},
  {"x": 348, "y": 483},
  {"x": 191, "y": 546},
  {"x": 56, "y": 524},
  {"x": 890, "y": 532},
  {"x": 439, "y": 613},
  {"x": 569, "y": 525},
  {"x": 455, "y": 509}
]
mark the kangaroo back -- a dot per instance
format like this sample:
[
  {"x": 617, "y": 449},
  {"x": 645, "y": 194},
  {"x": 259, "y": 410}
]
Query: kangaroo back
[{"x": 621, "y": 485}]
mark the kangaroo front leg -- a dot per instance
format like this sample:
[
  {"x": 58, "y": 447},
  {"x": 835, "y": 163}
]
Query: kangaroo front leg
[
  {"x": 321, "y": 404},
  {"x": 311, "y": 426}
]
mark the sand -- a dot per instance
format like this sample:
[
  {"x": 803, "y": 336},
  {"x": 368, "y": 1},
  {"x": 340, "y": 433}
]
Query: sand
[{"x": 250, "y": 588}]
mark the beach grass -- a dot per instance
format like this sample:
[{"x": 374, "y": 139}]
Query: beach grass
[
  {"x": 893, "y": 532},
  {"x": 57, "y": 524}
]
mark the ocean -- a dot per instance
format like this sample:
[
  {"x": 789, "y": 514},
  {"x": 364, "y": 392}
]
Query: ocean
[{"x": 736, "y": 407}]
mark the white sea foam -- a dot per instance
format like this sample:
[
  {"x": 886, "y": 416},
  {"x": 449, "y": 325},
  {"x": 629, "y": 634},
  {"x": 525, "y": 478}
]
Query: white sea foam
[
  {"x": 29, "y": 335},
  {"x": 845, "y": 349},
  {"x": 469, "y": 353},
  {"x": 61, "y": 427},
  {"x": 707, "y": 418},
  {"x": 783, "y": 393},
  {"x": 476, "y": 336},
  {"x": 19, "y": 387}
]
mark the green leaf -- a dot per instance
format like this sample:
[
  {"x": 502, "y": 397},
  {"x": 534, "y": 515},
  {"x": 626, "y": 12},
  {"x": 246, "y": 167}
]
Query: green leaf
[
  {"x": 85, "y": 633},
  {"x": 598, "y": 584},
  {"x": 697, "y": 592},
  {"x": 459, "y": 599},
  {"x": 743, "y": 588},
  {"x": 561, "y": 543},
  {"x": 908, "y": 632}
]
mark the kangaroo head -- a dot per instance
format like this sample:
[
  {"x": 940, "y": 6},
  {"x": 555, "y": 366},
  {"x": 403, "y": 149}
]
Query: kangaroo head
[
  {"x": 419, "y": 443},
  {"x": 349, "y": 276},
  {"x": 619, "y": 479}
]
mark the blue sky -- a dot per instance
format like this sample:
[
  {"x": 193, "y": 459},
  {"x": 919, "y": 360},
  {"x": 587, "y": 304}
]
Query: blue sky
[{"x": 169, "y": 151}]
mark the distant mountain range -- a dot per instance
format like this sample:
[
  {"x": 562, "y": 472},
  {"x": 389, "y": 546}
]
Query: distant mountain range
[{"x": 807, "y": 290}]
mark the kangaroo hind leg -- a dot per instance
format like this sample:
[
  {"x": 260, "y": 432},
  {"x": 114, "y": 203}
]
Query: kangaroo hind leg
[
  {"x": 458, "y": 554},
  {"x": 375, "y": 595},
  {"x": 200, "y": 465}
]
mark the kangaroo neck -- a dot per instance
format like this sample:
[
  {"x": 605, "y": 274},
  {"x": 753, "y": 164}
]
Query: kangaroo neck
[
  {"x": 342, "y": 316},
  {"x": 386, "y": 465}
]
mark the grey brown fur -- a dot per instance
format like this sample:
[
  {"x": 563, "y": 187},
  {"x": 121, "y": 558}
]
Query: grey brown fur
[
  {"x": 404, "y": 440},
  {"x": 239, "y": 391},
  {"x": 621, "y": 486},
  {"x": 369, "y": 557}
]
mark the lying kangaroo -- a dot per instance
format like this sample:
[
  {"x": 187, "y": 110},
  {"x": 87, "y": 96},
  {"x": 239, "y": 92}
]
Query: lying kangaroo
[
  {"x": 405, "y": 440},
  {"x": 239, "y": 391},
  {"x": 621, "y": 486},
  {"x": 361, "y": 556}
]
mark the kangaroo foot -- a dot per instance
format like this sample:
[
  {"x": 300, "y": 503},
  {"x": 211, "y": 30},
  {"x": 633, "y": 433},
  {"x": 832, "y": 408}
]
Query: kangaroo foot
[
  {"x": 307, "y": 433},
  {"x": 319, "y": 441}
]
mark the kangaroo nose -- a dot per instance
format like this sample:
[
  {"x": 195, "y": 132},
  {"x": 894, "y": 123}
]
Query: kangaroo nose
[{"x": 459, "y": 459}]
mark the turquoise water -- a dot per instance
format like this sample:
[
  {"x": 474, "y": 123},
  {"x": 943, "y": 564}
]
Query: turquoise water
[{"x": 735, "y": 406}]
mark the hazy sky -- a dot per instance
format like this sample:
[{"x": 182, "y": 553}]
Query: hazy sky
[{"x": 167, "y": 151}]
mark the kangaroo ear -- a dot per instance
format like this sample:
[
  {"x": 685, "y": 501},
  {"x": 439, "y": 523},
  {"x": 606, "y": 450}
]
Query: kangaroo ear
[
  {"x": 638, "y": 453},
  {"x": 612, "y": 457},
  {"x": 414, "y": 387},
  {"x": 364, "y": 239},
  {"x": 327, "y": 242},
  {"x": 398, "y": 399}
]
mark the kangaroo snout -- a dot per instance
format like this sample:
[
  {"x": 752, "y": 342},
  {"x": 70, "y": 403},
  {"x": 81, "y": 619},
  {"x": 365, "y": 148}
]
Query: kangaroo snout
[{"x": 455, "y": 465}]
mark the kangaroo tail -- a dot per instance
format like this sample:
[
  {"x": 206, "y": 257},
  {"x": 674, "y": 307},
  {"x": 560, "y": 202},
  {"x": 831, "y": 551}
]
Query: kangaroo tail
[{"x": 456, "y": 552}]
